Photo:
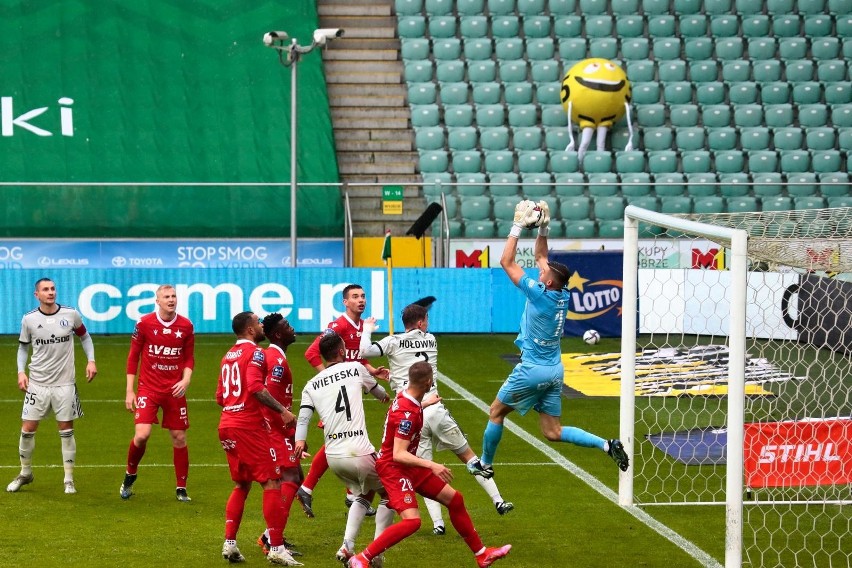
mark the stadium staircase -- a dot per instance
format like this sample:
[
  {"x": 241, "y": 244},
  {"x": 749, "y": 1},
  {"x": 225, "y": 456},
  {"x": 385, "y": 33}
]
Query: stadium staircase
[{"x": 370, "y": 114}]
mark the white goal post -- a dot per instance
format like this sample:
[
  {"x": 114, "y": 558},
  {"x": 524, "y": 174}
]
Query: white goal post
[{"x": 735, "y": 381}]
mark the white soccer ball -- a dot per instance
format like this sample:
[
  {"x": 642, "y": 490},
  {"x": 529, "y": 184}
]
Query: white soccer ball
[{"x": 591, "y": 337}]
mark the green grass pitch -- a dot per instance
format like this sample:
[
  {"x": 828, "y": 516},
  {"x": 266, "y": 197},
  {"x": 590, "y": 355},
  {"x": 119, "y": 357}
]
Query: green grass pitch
[{"x": 559, "y": 519}]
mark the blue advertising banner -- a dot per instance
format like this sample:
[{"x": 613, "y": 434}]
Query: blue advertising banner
[
  {"x": 50, "y": 254},
  {"x": 595, "y": 286}
]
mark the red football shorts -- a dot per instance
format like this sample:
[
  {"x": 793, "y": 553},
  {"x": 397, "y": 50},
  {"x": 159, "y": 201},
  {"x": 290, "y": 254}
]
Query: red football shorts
[
  {"x": 148, "y": 402},
  {"x": 283, "y": 442},
  {"x": 250, "y": 454},
  {"x": 403, "y": 483}
]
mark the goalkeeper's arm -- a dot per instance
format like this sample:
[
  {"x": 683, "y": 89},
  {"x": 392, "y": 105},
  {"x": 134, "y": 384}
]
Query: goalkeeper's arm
[{"x": 541, "y": 248}]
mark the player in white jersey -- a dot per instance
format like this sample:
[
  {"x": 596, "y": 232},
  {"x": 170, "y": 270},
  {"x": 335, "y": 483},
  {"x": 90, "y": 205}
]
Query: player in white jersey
[
  {"x": 50, "y": 385},
  {"x": 336, "y": 395},
  {"x": 440, "y": 430}
]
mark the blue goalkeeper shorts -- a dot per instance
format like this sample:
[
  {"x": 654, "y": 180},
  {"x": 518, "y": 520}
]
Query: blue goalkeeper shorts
[{"x": 534, "y": 386}]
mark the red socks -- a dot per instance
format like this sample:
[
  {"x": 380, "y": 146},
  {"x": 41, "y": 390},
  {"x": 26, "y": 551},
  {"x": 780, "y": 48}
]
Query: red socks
[
  {"x": 319, "y": 465},
  {"x": 273, "y": 513},
  {"x": 462, "y": 523},
  {"x": 181, "y": 460},
  {"x": 134, "y": 456},
  {"x": 234, "y": 512},
  {"x": 390, "y": 536}
]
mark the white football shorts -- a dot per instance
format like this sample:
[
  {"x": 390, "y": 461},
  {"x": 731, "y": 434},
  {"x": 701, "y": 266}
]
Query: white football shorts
[
  {"x": 440, "y": 430},
  {"x": 39, "y": 400},
  {"x": 358, "y": 473}
]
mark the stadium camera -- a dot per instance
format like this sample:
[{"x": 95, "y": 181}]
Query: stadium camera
[
  {"x": 270, "y": 38},
  {"x": 322, "y": 35}
]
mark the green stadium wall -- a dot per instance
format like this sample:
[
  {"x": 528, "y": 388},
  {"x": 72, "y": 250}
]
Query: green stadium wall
[{"x": 160, "y": 92}]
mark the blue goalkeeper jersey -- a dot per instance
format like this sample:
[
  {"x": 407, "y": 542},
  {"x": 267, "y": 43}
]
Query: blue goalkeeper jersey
[{"x": 541, "y": 323}]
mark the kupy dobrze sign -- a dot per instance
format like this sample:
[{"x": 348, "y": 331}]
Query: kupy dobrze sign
[{"x": 798, "y": 453}]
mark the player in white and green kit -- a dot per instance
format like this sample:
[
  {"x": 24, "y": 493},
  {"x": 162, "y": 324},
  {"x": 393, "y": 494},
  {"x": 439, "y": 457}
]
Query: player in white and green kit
[{"x": 50, "y": 386}]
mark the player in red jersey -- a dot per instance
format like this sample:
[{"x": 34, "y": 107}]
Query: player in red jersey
[
  {"x": 404, "y": 475},
  {"x": 244, "y": 434},
  {"x": 164, "y": 341},
  {"x": 279, "y": 383},
  {"x": 349, "y": 327}
]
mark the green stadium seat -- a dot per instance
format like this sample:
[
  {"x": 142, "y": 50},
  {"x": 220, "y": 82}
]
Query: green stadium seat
[
  {"x": 629, "y": 162},
  {"x": 569, "y": 184},
  {"x": 518, "y": 94},
  {"x": 754, "y": 138},
  {"x": 635, "y": 185},
  {"x": 608, "y": 208},
  {"x": 479, "y": 230},
  {"x": 464, "y": 138},
  {"x": 526, "y": 138},
  {"x": 748, "y": 115},
  {"x": 687, "y": 7},
  {"x": 494, "y": 138},
  {"x": 522, "y": 115},
  {"x": 730, "y": 161},
  {"x": 470, "y": 7},
  {"x": 778, "y": 115},
  {"x": 414, "y": 48},
  {"x": 825, "y": 48},
  {"x": 721, "y": 139},
  {"x": 678, "y": 93},
  {"x": 788, "y": 138},
  {"x": 839, "y": 7},
  {"x": 694, "y": 26},
  {"x": 611, "y": 229},
  {"x": 473, "y": 27},
  {"x": 540, "y": 49},
  {"x": 454, "y": 93},
  {"x": 832, "y": 70},
  {"x": 603, "y": 47},
  {"x": 786, "y": 25},
  {"x": 536, "y": 26},
  {"x": 716, "y": 116},
  {"x": 478, "y": 49},
  {"x": 801, "y": 184},
  {"x": 811, "y": 7},
  {"x": 767, "y": 184},
  {"x": 683, "y": 115},
  {"x": 598, "y": 26},
  {"x": 646, "y": 93},
  {"x": 641, "y": 70},
  {"x": 795, "y": 162},
  {"x": 442, "y": 26},
  {"x": 813, "y": 115},
  {"x": 711, "y": 93},
  {"x": 503, "y": 183},
  {"x": 762, "y": 161},
  {"x": 844, "y": 139},
  {"x": 834, "y": 184},
  {"x": 584, "y": 229},
  {"x": 629, "y": 25},
  {"x": 704, "y": 71},
  {"x": 656, "y": 7},
  {"x": 651, "y": 115},
  {"x": 458, "y": 115},
  {"x": 676, "y": 205},
  {"x": 556, "y": 138},
  {"x": 408, "y": 7},
  {"x": 411, "y": 26},
  {"x": 767, "y": 70},
  {"x": 433, "y": 161},
  {"x": 498, "y": 7},
  {"x": 449, "y": 71},
  {"x": 762, "y": 47},
  {"x": 648, "y": 202},
  {"x": 736, "y": 71},
  {"x": 499, "y": 162},
  {"x": 490, "y": 115},
  {"x": 505, "y": 27},
  {"x": 778, "y": 203},
  {"x": 701, "y": 184},
  {"x": 429, "y": 138},
  {"x": 452, "y": 205},
  {"x": 820, "y": 138},
  {"x": 422, "y": 93},
  {"x": 745, "y": 93},
  {"x": 813, "y": 202},
  {"x": 513, "y": 71},
  {"x": 667, "y": 48},
  {"x": 634, "y": 48},
  {"x": 438, "y": 7},
  {"x": 563, "y": 162},
  {"x": 735, "y": 184},
  {"x": 425, "y": 115},
  {"x": 709, "y": 204},
  {"x": 775, "y": 93},
  {"x": 799, "y": 70},
  {"x": 567, "y": 25},
  {"x": 668, "y": 185},
  {"x": 841, "y": 115},
  {"x": 471, "y": 183},
  {"x": 481, "y": 71},
  {"x": 840, "y": 201},
  {"x": 729, "y": 49},
  {"x": 593, "y": 7},
  {"x": 489, "y": 93},
  {"x": 727, "y": 25},
  {"x": 532, "y": 161},
  {"x": 455, "y": 228},
  {"x": 817, "y": 25},
  {"x": 695, "y": 161},
  {"x": 476, "y": 208},
  {"x": 537, "y": 185},
  {"x": 828, "y": 161},
  {"x": 544, "y": 71},
  {"x": 791, "y": 48},
  {"x": 504, "y": 207},
  {"x": 436, "y": 183},
  {"x": 690, "y": 138},
  {"x": 662, "y": 162},
  {"x": 597, "y": 162},
  {"x": 572, "y": 48},
  {"x": 509, "y": 49},
  {"x": 657, "y": 138},
  {"x": 743, "y": 204},
  {"x": 574, "y": 208},
  {"x": 756, "y": 25},
  {"x": 838, "y": 92},
  {"x": 718, "y": 6},
  {"x": 660, "y": 25},
  {"x": 553, "y": 115},
  {"x": 418, "y": 71},
  {"x": 625, "y": 7},
  {"x": 531, "y": 7}
]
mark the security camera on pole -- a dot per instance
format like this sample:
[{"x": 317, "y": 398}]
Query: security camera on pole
[{"x": 289, "y": 55}]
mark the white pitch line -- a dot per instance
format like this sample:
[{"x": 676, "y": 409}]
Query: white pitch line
[
  {"x": 686, "y": 545},
  {"x": 170, "y": 465}
]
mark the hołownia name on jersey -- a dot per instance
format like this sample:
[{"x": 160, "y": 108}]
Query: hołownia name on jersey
[
  {"x": 319, "y": 383},
  {"x": 418, "y": 344}
]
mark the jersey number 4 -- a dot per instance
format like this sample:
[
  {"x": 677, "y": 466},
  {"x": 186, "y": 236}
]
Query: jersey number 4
[{"x": 342, "y": 404}]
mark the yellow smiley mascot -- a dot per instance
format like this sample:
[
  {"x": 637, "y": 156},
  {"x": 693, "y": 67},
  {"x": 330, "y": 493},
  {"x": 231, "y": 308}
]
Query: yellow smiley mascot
[{"x": 595, "y": 94}]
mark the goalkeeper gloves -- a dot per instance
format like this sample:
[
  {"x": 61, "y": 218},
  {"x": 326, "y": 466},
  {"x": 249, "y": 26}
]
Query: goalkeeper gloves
[
  {"x": 525, "y": 217},
  {"x": 544, "y": 223}
]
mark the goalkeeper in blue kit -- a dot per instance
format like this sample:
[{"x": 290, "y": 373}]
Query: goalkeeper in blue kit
[{"x": 536, "y": 382}]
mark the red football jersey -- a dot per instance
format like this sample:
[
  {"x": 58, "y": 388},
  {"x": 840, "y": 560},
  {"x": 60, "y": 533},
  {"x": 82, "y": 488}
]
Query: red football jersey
[
  {"x": 404, "y": 420},
  {"x": 351, "y": 334},
  {"x": 166, "y": 348},
  {"x": 241, "y": 376},
  {"x": 279, "y": 383}
]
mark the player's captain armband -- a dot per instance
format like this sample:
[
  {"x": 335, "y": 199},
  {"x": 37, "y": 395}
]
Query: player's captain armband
[{"x": 404, "y": 427}]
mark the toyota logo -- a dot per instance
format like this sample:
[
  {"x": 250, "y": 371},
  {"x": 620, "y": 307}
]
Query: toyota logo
[{"x": 119, "y": 261}]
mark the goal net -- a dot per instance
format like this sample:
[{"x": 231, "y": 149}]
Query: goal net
[{"x": 736, "y": 378}]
